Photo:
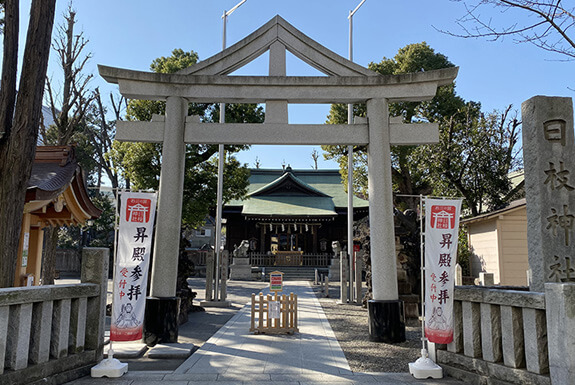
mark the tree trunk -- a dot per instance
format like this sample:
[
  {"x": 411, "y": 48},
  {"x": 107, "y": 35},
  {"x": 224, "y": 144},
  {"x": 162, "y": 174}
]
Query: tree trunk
[
  {"x": 49, "y": 257},
  {"x": 9, "y": 67},
  {"x": 18, "y": 146}
]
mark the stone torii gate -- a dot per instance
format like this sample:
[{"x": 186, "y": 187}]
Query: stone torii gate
[{"x": 346, "y": 82}]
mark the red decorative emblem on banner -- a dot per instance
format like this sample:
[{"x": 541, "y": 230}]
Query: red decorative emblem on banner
[
  {"x": 138, "y": 210},
  {"x": 443, "y": 217}
]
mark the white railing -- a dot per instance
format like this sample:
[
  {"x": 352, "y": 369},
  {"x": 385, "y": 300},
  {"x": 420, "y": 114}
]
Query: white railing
[{"x": 48, "y": 330}]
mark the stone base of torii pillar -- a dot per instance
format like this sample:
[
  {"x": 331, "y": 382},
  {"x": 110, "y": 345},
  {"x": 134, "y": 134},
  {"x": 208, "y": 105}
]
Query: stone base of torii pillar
[
  {"x": 386, "y": 321},
  {"x": 161, "y": 320}
]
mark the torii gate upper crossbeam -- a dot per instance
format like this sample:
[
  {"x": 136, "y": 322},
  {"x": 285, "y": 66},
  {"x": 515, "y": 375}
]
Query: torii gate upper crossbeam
[{"x": 293, "y": 89}]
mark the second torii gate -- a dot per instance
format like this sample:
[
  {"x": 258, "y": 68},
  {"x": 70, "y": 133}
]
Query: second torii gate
[{"x": 346, "y": 83}]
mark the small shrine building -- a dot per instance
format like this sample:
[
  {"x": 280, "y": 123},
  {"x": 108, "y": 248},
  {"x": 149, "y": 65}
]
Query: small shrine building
[
  {"x": 56, "y": 196},
  {"x": 291, "y": 217}
]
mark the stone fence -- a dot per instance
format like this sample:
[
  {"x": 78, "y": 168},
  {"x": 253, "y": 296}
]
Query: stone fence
[
  {"x": 510, "y": 336},
  {"x": 54, "y": 333}
]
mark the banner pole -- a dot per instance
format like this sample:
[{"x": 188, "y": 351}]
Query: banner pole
[
  {"x": 423, "y": 367},
  {"x": 422, "y": 258},
  {"x": 116, "y": 224},
  {"x": 111, "y": 367}
]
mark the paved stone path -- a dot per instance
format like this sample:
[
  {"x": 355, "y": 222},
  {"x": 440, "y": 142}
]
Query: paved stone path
[{"x": 235, "y": 356}]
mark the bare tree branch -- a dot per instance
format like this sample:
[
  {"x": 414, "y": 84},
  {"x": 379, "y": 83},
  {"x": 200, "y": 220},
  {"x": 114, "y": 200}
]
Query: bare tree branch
[
  {"x": 117, "y": 106},
  {"x": 69, "y": 112},
  {"x": 551, "y": 31}
]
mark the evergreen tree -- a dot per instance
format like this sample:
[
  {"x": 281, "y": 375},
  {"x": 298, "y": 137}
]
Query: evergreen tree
[{"x": 475, "y": 153}]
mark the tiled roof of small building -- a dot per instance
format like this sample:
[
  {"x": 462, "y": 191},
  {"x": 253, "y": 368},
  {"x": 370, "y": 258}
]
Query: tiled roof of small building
[{"x": 55, "y": 170}]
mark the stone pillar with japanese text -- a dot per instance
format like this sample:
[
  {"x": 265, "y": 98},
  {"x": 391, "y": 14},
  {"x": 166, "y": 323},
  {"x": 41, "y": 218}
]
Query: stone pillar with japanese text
[{"x": 549, "y": 158}]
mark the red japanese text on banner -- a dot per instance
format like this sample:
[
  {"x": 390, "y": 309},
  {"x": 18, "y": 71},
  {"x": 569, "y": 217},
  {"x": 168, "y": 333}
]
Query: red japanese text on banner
[
  {"x": 137, "y": 212},
  {"x": 441, "y": 236}
]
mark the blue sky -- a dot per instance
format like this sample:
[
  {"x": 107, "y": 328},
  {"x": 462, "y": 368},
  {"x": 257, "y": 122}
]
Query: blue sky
[{"x": 131, "y": 33}]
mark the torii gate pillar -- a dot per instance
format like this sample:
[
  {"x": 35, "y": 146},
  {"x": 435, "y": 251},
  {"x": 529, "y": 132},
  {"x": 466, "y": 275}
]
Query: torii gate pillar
[
  {"x": 386, "y": 316},
  {"x": 162, "y": 306}
]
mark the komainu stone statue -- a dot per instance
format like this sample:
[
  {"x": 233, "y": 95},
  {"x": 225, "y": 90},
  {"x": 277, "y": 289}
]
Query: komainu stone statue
[
  {"x": 336, "y": 248},
  {"x": 241, "y": 251},
  {"x": 241, "y": 268}
]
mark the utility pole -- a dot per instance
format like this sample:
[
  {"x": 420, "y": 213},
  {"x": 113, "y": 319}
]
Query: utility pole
[
  {"x": 221, "y": 154},
  {"x": 350, "y": 252}
]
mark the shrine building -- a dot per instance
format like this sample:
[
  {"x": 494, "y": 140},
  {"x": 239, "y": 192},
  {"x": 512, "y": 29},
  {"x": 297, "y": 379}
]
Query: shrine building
[
  {"x": 291, "y": 217},
  {"x": 56, "y": 196}
]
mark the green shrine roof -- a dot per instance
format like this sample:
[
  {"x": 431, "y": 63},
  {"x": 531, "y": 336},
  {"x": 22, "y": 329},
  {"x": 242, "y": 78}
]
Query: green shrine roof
[
  {"x": 280, "y": 183},
  {"x": 295, "y": 193},
  {"x": 293, "y": 206}
]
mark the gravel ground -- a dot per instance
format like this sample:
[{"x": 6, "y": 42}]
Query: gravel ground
[{"x": 350, "y": 325}]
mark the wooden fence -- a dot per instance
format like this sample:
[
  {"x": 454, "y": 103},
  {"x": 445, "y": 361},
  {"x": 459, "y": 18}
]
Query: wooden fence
[
  {"x": 68, "y": 261},
  {"x": 287, "y": 321}
]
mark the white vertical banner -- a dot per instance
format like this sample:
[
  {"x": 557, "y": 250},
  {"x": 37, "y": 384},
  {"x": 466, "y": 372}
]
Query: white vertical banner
[
  {"x": 137, "y": 211},
  {"x": 441, "y": 238}
]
